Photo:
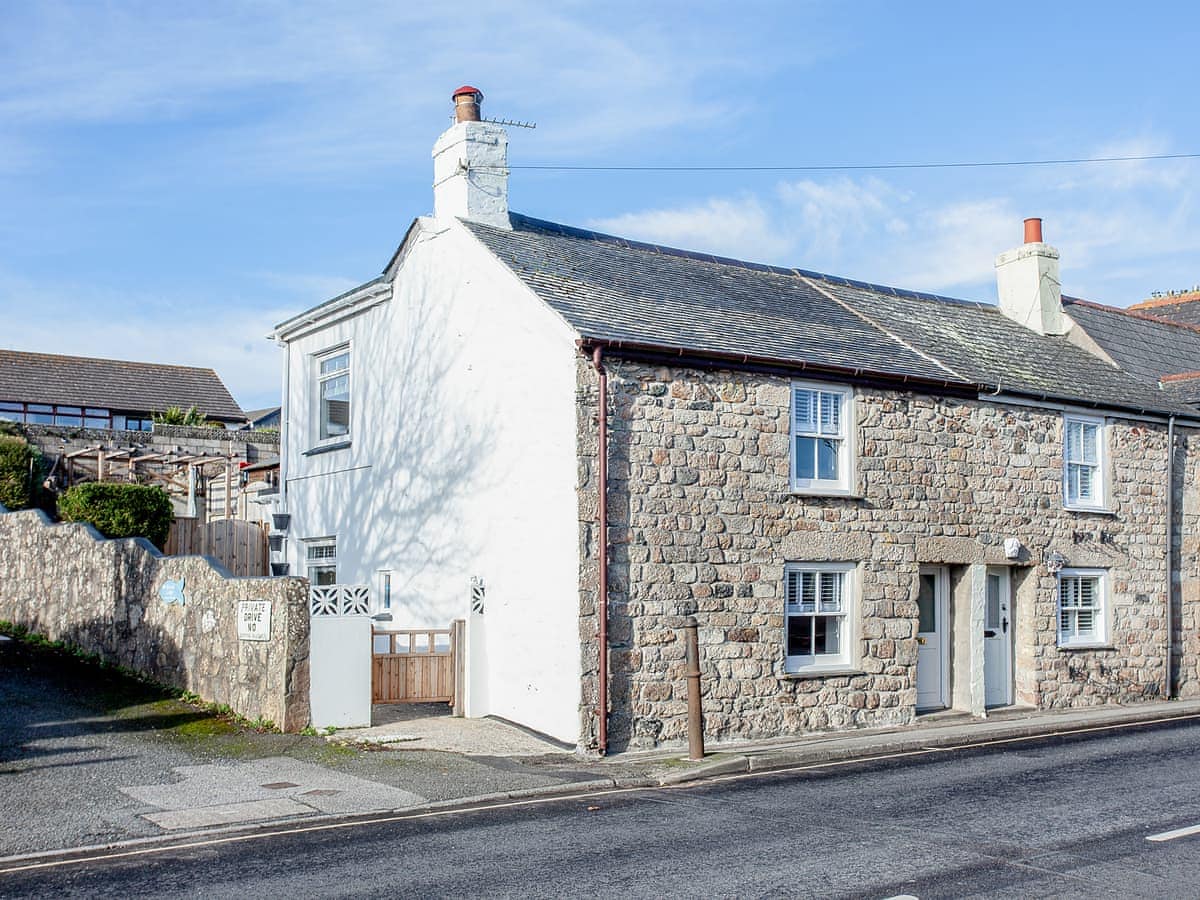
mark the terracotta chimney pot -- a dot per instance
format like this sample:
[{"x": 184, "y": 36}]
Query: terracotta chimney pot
[
  {"x": 1033, "y": 231},
  {"x": 467, "y": 100}
]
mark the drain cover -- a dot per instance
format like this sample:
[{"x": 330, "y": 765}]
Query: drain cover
[
  {"x": 320, "y": 792},
  {"x": 276, "y": 785}
]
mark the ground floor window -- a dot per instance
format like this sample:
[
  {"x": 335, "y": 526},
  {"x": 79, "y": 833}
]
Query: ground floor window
[
  {"x": 1081, "y": 607},
  {"x": 817, "y": 615},
  {"x": 321, "y": 560}
]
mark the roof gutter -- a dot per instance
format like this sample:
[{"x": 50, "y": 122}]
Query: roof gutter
[{"x": 668, "y": 355}]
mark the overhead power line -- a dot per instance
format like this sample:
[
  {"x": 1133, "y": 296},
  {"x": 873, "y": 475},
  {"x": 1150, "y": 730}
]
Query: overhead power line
[{"x": 866, "y": 167}]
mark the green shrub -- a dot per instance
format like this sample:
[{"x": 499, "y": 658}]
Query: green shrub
[
  {"x": 120, "y": 510},
  {"x": 192, "y": 416},
  {"x": 20, "y": 472}
]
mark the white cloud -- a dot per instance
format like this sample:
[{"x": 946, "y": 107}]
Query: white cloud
[
  {"x": 740, "y": 227},
  {"x": 1119, "y": 238},
  {"x": 84, "y": 321},
  {"x": 302, "y": 86}
]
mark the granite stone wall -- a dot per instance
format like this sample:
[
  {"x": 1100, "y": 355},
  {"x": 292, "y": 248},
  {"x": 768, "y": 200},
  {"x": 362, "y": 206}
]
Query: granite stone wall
[
  {"x": 70, "y": 584},
  {"x": 702, "y": 522}
]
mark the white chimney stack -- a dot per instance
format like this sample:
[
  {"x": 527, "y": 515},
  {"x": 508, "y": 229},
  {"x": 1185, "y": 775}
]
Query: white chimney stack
[
  {"x": 1028, "y": 282},
  {"x": 470, "y": 165}
]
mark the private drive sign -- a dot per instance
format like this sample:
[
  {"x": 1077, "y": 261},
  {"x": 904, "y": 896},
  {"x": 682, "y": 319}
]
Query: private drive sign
[{"x": 254, "y": 620}]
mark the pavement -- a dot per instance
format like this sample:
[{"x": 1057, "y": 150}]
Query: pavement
[{"x": 89, "y": 759}]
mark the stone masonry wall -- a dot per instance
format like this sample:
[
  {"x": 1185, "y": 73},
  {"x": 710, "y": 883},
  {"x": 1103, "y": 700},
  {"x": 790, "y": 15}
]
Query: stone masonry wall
[
  {"x": 68, "y": 583},
  {"x": 702, "y": 521}
]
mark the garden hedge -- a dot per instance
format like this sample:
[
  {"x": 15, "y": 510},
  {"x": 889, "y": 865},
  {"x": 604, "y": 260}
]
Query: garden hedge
[
  {"x": 20, "y": 472},
  {"x": 120, "y": 510}
]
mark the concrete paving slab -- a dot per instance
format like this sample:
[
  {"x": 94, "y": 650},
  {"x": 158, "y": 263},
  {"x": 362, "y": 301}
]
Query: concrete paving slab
[
  {"x": 431, "y": 727},
  {"x": 229, "y": 814},
  {"x": 316, "y": 787}
]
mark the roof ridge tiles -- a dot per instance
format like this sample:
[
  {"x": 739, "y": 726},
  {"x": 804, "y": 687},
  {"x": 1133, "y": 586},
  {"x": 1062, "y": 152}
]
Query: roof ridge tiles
[{"x": 106, "y": 359}]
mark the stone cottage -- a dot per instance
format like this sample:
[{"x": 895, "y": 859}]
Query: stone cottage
[{"x": 876, "y": 502}]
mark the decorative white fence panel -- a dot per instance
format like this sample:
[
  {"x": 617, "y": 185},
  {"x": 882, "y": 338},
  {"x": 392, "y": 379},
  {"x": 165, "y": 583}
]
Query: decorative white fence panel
[{"x": 340, "y": 600}]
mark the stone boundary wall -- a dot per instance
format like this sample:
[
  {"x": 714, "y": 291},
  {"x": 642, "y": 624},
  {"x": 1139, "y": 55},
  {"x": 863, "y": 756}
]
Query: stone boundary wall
[
  {"x": 70, "y": 584},
  {"x": 246, "y": 446}
]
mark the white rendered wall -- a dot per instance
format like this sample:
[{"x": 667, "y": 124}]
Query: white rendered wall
[{"x": 462, "y": 463}]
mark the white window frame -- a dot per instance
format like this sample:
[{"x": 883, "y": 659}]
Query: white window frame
[
  {"x": 321, "y": 562},
  {"x": 847, "y": 656},
  {"x": 845, "y": 435},
  {"x": 318, "y": 379},
  {"x": 1099, "y": 637},
  {"x": 1100, "y": 481}
]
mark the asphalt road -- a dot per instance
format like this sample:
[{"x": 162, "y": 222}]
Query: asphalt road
[
  {"x": 1064, "y": 817},
  {"x": 80, "y": 745}
]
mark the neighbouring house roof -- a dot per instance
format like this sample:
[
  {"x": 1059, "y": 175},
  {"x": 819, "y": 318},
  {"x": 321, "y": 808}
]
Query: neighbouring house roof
[
  {"x": 625, "y": 292},
  {"x": 1180, "y": 307},
  {"x": 113, "y": 384},
  {"x": 259, "y": 416},
  {"x": 1142, "y": 344}
]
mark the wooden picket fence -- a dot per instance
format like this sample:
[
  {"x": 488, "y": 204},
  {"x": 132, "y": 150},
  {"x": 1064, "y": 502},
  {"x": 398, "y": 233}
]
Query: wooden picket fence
[{"x": 240, "y": 546}]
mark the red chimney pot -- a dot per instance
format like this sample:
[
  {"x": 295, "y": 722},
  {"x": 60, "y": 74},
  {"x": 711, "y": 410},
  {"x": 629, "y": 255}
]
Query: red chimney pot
[
  {"x": 466, "y": 103},
  {"x": 1033, "y": 231}
]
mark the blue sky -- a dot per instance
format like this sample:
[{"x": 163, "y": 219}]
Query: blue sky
[{"x": 175, "y": 178}]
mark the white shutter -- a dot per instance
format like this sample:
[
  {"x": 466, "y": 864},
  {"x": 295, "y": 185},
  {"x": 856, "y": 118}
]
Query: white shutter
[
  {"x": 804, "y": 410},
  {"x": 1089, "y": 452},
  {"x": 831, "y": 592},
  {"x": 831, "y": 413}
]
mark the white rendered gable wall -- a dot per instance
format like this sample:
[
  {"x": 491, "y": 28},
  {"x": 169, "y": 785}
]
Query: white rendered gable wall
[{"x": 462, "y": 463}]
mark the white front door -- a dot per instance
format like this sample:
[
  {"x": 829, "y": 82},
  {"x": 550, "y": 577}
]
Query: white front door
[
  {"x": 931, "y": 638},
  {"x": 997, "y": 640}
]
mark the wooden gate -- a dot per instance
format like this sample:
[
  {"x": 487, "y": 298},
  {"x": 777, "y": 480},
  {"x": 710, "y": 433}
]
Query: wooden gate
[
  {"x": 240, "y": 546},
  {"x": 416, "y": 665}
]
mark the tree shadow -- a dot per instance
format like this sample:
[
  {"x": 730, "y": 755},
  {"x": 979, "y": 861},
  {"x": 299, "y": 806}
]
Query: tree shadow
[{"x": 52, "y": 700}]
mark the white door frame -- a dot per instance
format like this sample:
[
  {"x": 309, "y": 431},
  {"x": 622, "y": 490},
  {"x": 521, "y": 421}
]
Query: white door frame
[
  {"x": 1008, "y": 628},
  {"x": 941, "y": 601}
]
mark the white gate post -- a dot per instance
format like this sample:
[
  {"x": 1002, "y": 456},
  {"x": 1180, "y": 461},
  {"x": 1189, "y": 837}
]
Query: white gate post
[{"x": 340, "y": 656}]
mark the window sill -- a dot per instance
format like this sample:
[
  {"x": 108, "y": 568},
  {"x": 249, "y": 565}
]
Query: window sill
[
  {"x": 1094, "y": 510},
  {"x": 844, "y": 493},
  {"x": 327, "y": 448},
  {"x": 1100, "y": 645},
  {"x": 821, "y": 672}
]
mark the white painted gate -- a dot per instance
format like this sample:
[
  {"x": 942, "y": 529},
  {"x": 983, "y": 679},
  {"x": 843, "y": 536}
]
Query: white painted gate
[{"x": 340, "y": 655}]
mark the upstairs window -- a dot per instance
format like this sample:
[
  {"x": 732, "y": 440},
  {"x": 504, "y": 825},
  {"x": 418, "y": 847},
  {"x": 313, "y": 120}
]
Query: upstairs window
[
  {"x": 1081, "y": 608},
  {"x": 333, "y": 395},
  {"x": 821, "y": 420},
  {"x": 1083, "y": 462}
]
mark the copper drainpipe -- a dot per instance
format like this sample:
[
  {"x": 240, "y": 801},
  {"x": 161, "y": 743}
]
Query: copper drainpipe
[{"x": 602, "y": 481}]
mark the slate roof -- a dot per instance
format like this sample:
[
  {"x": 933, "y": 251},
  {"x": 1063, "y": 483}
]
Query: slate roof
[
  {"x": 614, "y": 290},
  {"x": 1144, "y": 345},
  {"x": 1184, "y": 308},
  {"x": 113, "y": 384}
]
